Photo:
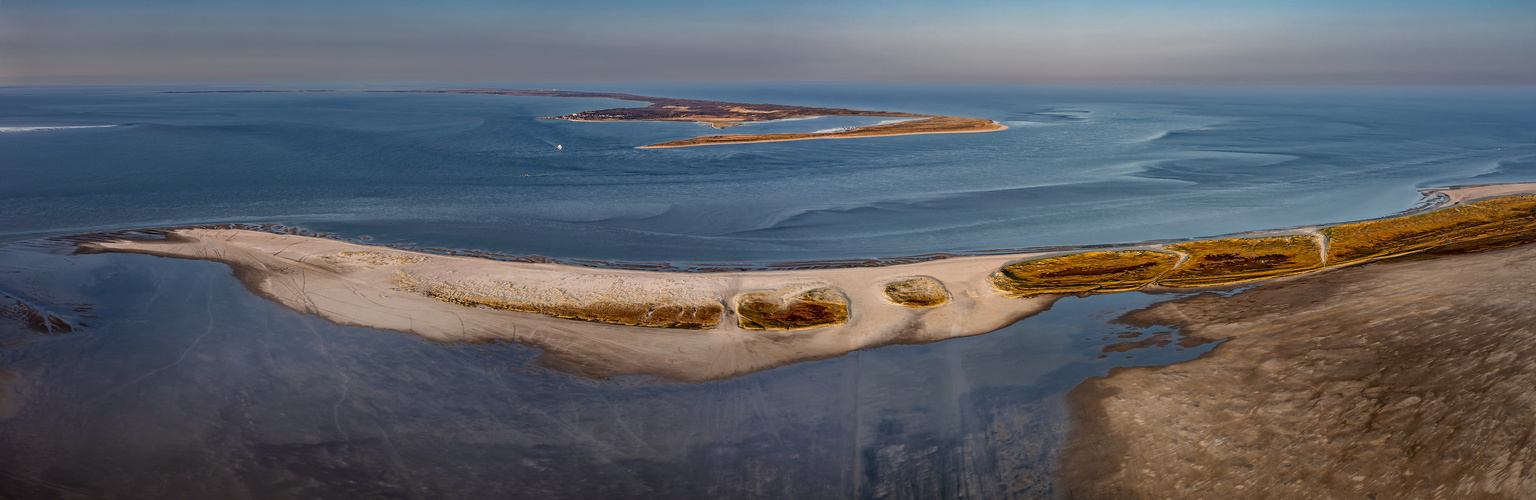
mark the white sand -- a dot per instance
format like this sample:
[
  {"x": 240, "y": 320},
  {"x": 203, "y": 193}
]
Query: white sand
[{"x": 1463, "y": 194}]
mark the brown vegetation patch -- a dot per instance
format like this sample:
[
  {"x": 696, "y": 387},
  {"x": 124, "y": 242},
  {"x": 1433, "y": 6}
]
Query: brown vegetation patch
[
  {"x": 1233, "y": 260},
  {"x": 375, "y": 258},
  {"x": 1483, "y": 225},
  {"x": 657, "y": 312},
  {"x": 917, "y": 291},
  {"x": 792, "y": 308},
  {"x": 1088, "y": 272}
]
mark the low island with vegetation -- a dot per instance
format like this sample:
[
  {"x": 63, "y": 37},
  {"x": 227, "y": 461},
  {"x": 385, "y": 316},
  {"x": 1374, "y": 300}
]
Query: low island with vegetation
[{"x": 717, "y": 114}]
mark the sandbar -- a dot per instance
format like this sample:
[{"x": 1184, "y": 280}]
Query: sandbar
[{"x": 474, "y": 300}]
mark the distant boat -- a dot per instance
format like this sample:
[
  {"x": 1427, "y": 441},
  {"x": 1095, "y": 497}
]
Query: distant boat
[{"x": 557, "y": 146}]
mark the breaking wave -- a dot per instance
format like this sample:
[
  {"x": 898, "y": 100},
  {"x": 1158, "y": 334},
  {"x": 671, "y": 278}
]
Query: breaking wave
[{"x": 50, "y": 127}]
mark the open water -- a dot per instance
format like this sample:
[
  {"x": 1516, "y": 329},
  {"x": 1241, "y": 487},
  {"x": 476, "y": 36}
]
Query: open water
[{"x": 177, "y": 382}]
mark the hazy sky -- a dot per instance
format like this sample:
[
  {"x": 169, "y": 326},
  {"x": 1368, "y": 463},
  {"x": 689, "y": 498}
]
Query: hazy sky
[{"x": 313, "y": 41}]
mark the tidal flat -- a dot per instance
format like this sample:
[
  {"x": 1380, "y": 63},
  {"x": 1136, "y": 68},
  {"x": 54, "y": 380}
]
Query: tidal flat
[{"x": 1401, "y": 379}]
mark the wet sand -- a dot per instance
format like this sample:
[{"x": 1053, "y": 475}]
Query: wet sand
[{"x": 1400, "y": 379}]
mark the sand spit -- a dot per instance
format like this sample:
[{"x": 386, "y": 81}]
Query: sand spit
[
  {"x": 636, "y": 322},
  {"x": 1404, "y": 379},
  {"x": 703, "y": 326}
]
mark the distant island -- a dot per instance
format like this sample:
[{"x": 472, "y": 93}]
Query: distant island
[{"x": 718, "y": 114}]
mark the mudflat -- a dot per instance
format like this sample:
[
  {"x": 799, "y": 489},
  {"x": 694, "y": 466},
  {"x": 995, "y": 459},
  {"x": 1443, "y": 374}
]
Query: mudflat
[{"x": 1408, "y": 378}]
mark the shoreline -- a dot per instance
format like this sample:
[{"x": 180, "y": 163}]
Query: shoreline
[
  {"x": 697, "y": 326},
  {"x": 1467, "y": 193}
]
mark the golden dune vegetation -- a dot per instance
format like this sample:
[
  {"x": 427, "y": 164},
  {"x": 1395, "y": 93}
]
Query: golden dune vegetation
[
  {"x": 792, "y": 308},
  {"x": 1088, "y": 272},
  {"x": 1476, "y": 226},
  {"x": 1481, "y": 225},
  {"x": 917, "y": 291},
  {"x": 1232, "y": 260}
]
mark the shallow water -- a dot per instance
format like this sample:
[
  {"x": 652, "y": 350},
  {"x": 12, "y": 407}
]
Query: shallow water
[
  {"x": 180, "y": 383},
  {"x": 1079, "y": 166}
]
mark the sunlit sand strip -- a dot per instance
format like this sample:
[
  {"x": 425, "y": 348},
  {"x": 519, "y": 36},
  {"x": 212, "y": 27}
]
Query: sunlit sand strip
[{"x": 763, "y": 319}]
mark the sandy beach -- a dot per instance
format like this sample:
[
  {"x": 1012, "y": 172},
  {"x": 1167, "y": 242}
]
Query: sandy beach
[{"x": 415, "y": 292}]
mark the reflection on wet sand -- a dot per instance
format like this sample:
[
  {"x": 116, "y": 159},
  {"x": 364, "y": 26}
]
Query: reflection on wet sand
[{"x": 6, "y": 407}]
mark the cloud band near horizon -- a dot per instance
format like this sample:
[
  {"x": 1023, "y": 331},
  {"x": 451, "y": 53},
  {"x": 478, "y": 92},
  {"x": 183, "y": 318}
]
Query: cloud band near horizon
[{"x": 188, "y": 41}]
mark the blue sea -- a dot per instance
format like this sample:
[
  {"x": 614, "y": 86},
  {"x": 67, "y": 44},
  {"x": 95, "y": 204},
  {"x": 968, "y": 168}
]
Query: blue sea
[{"x": 178, "y": 382}]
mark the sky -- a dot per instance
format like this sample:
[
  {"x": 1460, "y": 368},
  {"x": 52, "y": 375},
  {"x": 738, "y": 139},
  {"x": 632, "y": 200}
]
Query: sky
[{"x": 1053, "y": 41}]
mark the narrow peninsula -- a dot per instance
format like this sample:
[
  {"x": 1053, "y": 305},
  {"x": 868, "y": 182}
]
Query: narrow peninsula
[{"x": 694, "y": 326}]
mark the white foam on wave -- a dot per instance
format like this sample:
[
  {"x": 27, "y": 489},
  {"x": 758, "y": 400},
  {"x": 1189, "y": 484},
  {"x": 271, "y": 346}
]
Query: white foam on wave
[
  {"x": 50, "y": 127},
  {"x": 881, "y": 122}
]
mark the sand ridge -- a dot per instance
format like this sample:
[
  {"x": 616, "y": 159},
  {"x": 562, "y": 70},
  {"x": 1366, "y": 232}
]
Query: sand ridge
[{"x": 382, "y": 288}]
